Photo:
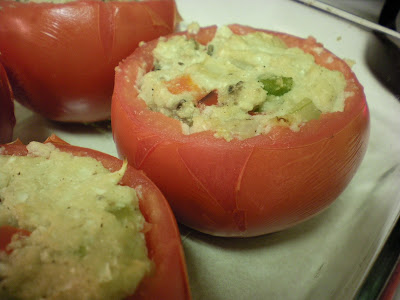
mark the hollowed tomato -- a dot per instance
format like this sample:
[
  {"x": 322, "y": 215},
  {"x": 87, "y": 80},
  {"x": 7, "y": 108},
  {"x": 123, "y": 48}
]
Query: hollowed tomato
[
  {"x": 243, "y": 187},
  {"x": 60, "y": 58},
  {"x": 169, "y": 279},
  {"x": 7, "y": 117}
]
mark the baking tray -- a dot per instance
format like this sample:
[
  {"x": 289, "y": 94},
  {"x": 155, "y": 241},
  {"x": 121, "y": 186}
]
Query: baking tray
[{"x": 330, "y": 255}]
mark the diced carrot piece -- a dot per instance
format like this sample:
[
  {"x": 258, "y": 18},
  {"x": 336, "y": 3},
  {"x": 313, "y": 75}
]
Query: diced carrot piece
[{"x": 182, "y": 84}]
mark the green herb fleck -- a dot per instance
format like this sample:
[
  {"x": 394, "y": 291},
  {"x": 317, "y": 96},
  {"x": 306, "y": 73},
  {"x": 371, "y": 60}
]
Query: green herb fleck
[
  {"x": 196, "y": 44},
  {"x": 277, "y": 85},
  {"x": 210, "y": 49}
]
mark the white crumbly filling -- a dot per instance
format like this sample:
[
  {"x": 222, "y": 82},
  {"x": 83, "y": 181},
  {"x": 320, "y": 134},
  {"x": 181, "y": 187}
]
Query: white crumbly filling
[
  {"x": 86, "y": 240},
  {"x": 236, "y": 67}
]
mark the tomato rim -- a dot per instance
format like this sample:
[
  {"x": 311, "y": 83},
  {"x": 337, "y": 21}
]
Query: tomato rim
[
  {"x": 133, "y": 122},
  {"x": 161, "y": 231},
  {"x": 287, "y": 136}
]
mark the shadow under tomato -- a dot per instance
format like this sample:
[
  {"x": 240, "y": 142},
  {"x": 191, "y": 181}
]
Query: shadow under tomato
[
  {"x": 234, "y": 259},
  {"x": 33, "y": 127},
  {"x": 85, "y": 128},
  {"x": 198, "y": 246},
  {"x": 298, "y": 231}
]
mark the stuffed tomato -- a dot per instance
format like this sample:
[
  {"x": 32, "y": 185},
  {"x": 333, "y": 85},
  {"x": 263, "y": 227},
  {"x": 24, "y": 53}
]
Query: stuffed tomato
[
  {"x": 247, "y": 156},
  {"x": 60, "y": 57},
  {"x": 63, "y": 247},
  {"x": 7, "y": 116}
]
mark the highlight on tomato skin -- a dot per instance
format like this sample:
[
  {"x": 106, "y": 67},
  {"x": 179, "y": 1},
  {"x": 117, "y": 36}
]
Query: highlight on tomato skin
[
  {"x": 170, "y": 279},
  {"x": 248, "y": 187},
  {"x": 7, "y": 116},
  {"x": 60, "y": 58}
]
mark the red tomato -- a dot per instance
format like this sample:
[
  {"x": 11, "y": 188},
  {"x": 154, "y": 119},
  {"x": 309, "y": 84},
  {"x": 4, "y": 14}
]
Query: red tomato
[
  {"x": 7, "y": 117},
  {"x": 61, "y": 57},
  {"x": 169, "y": 280},
  {"x": 243, "y": 187}
]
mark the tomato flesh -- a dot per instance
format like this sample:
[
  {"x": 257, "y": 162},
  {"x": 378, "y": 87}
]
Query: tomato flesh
[
  {"x": 6, "y": 235},
  {"x": 209, "y": 99},
  {"x": 245, "y": 187},
  {"x": 169, "y": 280},
  {"x": 60, "y": 58}
]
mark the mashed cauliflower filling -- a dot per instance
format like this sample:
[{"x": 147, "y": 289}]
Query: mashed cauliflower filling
[
  {"x": 85, "y": 241},
  {"x": 260, "y": 83}
]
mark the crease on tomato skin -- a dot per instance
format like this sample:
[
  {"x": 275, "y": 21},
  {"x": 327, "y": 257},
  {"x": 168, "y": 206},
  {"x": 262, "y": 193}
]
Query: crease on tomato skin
[
  {"x": 145, "y": 142},
  {"x": 164, "y": 9},
  {"x": 241, "y": 222},
  {"x": 363, "y": 116},
  {"x": 354, "y": 145},
  {"x": 314, "y": 157},
  {"x": 202, "y": 201},
  {"x": 344, "y": 166},
  {"x": 234, "y": 218},
  {"x": 153, "y": 17},
  {"x": 145, "y": 145},
  {"x": 156, "y": 20},
  {"x": 239, "y": 217},
  {"x": 220, "y": 163},
  {"x": 209, "y": 222},
  {"x": 198, "y": 183},
  {"x": 106, "y": 28},
  {"x": 282, "y": 172},
  {"x": 276, "y": 200}
]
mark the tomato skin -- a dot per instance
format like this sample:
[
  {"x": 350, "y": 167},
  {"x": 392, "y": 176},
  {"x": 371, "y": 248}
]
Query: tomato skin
[
  {"x": 61, "y": 57},
  {"x": 242, "y": 188},
  {"x": 169, "y": 280},
  {"x": 7, "y": 116}
]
